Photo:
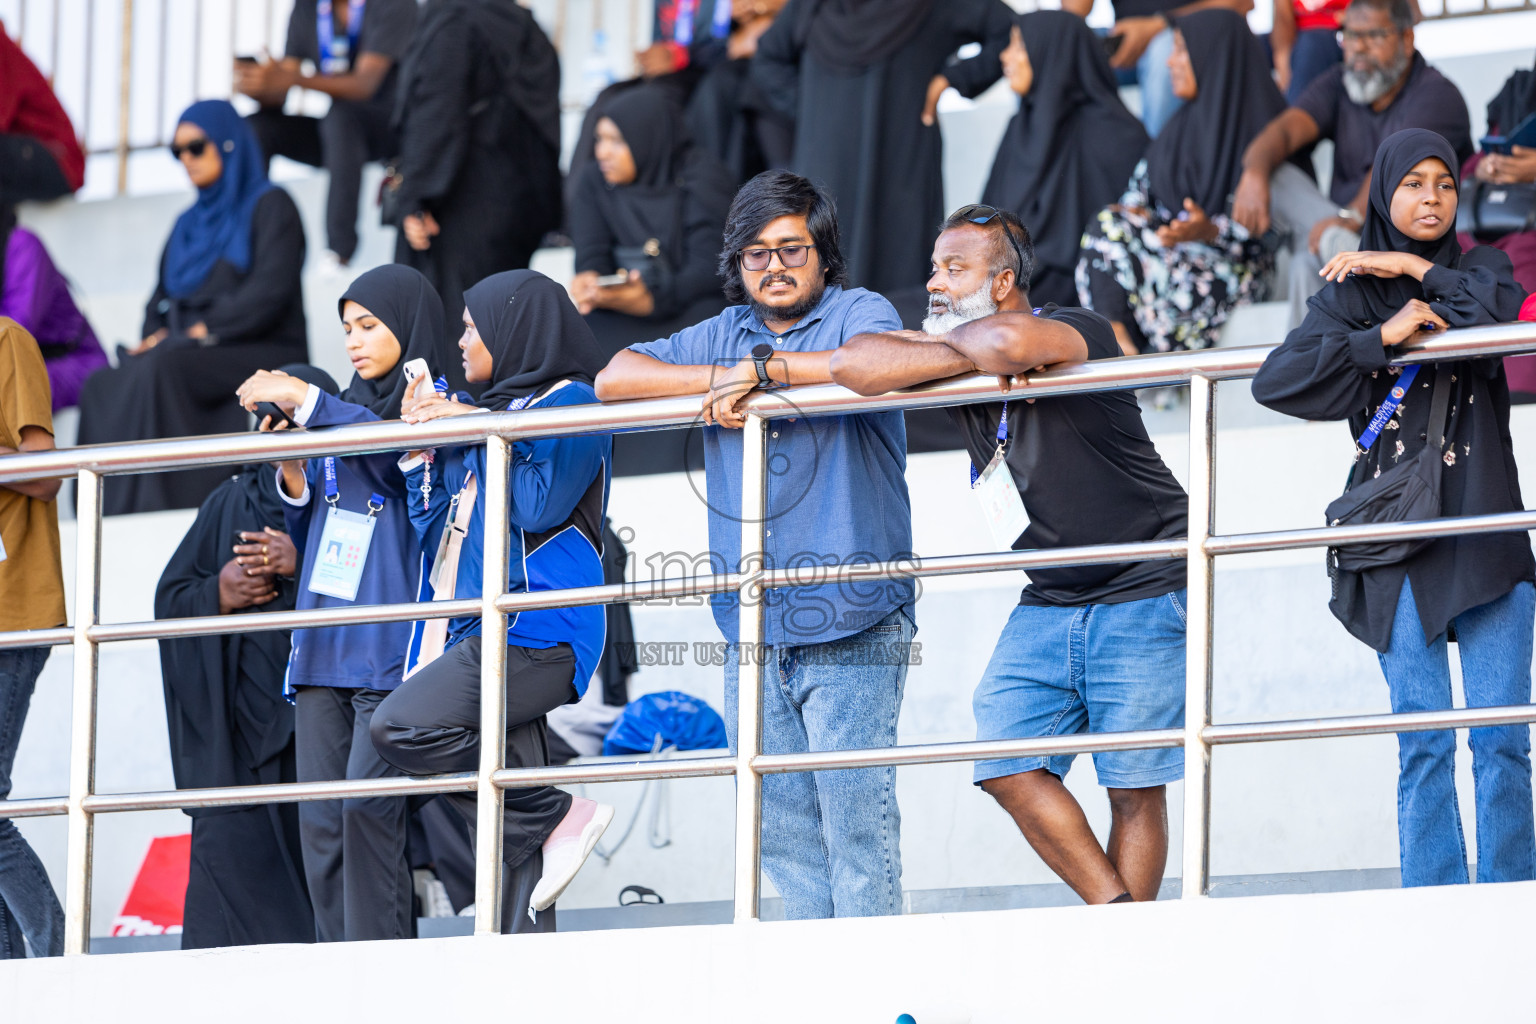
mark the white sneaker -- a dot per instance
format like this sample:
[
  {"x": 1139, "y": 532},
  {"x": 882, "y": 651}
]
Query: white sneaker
[{"x": 568, "y": 848}]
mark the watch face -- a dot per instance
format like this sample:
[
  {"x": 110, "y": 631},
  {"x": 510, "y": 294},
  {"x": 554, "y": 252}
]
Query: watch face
[{"x": 762, "y": 350}]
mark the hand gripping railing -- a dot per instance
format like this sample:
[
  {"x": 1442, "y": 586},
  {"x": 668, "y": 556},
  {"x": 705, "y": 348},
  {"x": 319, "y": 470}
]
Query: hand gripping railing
[{"x": 1201, "y": 370}]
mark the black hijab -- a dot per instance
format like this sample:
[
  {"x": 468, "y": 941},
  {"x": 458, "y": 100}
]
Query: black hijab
[
  {"x": 1363, "y": 299},
  {"x": 850, "y": 35},
  {"x": 1072, "y": 146},
  {"x": 1514, "y": 103},
  {"x": 223, "y": 694},
  {"x": 534, "y": 334},
  {"x": 408, "y": 305},
  {"x": 1198, "y": 155},
  {"x": 670, "y": 173}
]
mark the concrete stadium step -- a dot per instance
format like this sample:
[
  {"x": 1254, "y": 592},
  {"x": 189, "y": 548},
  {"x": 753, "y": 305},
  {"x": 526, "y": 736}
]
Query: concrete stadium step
[{"x": 922, "y": 901}]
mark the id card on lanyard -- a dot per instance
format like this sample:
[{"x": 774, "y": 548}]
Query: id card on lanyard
[
  {"x": 998, "y": 495},
  {"x": 336, "y": 54},
  {"x": 344, "y": 543}
]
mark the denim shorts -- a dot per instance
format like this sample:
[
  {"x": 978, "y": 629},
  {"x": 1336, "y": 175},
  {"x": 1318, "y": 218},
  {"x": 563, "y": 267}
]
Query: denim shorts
[{"x": 1090, "y": 668}]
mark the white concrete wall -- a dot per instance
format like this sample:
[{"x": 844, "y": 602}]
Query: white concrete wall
[{"x": 1455, "y": 953}]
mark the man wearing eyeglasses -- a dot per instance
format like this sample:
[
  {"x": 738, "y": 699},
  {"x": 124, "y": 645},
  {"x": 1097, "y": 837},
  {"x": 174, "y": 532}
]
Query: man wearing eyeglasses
[
  {"x": 835, "y": 656},
  {"x": 1382, "y": 86},
  {"x": 1088, "y": 648}
]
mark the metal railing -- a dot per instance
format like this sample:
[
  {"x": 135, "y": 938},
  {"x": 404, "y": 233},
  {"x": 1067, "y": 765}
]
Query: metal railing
[{"x": 1201, "y": 370}]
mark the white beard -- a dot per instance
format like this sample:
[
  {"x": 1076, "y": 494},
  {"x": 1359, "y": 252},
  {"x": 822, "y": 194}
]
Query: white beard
[
  {"x": 1366, "y": 88},
  {"x": 962, "y": 311}
]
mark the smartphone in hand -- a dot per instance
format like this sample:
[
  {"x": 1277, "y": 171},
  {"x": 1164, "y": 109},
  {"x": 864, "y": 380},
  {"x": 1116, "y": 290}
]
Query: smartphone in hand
[
  {"x": 415, "y": 372},
  {"x": 272, "y": 409}
]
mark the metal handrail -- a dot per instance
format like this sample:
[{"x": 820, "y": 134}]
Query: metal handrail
[{"x": 749, "y": 764}]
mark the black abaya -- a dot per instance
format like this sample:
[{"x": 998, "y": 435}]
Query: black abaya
[
  {"x": 230, "y": 726},
  {"x": 1334, "y": 366},
  {"x": 1067, "y": 153},
  {"x": 859, "y": 131},
  {"x": 479, "y": 146},
  {"x": 185, "y": 386}
]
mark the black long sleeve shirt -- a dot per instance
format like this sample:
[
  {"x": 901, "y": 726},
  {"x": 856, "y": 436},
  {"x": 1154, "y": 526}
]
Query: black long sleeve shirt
[{"x": 1329, "y": 369}]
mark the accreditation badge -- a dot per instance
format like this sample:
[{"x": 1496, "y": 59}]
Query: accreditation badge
[
  {"x": 343, "y": 552},
  {"x": 1000, "y": 503}
]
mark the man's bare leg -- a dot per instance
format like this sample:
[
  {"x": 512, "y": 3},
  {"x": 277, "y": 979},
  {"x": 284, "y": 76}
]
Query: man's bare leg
[
  {"x": 1054, "y": 824},
  {"x": 1138, "y": 838}
]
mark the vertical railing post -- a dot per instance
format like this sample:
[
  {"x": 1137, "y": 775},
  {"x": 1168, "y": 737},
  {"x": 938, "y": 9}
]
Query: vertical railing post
[
  {"x": 1198, "y": 638},
  {"x": 749, "y": 678},
  {"x": 125, "y": 96},
  {"x": 82, "y": 715},
  {"x": 493, "y": 689}
]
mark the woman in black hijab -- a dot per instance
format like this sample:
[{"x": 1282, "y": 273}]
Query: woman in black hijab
[
  {"x": 860, "y": 79},
  {"x": 228, "y": 722},
  {"x": 1167, "y": 264},
  {"x": 228, "y": 300},
  {"x": 477, "y": 183},
  {"x": 1336, "y": 365},
  {"x": 527, "y": 343},
  {"x": 654, "y": 205},
  {"x": 355, "y": 850},
  {"x": 1069, "y": 150}
]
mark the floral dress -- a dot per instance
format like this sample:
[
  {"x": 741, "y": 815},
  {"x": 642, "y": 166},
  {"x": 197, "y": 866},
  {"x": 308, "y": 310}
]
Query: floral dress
[{"x": 1169, "y": 298}]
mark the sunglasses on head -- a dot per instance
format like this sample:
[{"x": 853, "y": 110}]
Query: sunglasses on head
[
  {"x": 789, "y": 255},
  {"x": 980, "y": 213},
  {"x": 196, "y": 148}
]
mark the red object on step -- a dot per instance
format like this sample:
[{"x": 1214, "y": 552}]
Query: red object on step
[{"x": 159, "y": 893}]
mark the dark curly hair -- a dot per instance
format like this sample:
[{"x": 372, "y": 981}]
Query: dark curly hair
[{"x": 774, "y": 194}]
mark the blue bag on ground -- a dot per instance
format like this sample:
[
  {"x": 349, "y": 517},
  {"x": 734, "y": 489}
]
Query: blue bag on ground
[{"x": 681, "y": 721}]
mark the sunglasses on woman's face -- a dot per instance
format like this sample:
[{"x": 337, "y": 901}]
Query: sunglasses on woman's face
[{"x": 195, "y": 149}]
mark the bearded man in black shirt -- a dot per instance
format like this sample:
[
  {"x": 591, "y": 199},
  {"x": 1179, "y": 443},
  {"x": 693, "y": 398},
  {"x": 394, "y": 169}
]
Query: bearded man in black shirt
[{"x": 1096, "y": 648}]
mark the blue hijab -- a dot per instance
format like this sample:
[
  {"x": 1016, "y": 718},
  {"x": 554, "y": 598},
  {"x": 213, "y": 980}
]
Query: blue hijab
[{"x": 218, "y": 225}]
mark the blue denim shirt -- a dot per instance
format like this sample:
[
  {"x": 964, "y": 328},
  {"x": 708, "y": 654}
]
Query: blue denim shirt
[{"x": 836, "y": 485}]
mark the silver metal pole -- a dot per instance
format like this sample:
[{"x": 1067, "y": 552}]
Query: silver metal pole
[
  {"x": 82, "y": 717},
  {"x": 749, "y": 686},
  {"x": 1198, "y": 638},
  {"x": 493, "y": 689}
]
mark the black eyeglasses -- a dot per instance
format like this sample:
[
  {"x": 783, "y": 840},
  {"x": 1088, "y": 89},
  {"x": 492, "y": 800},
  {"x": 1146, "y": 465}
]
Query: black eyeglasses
[
  {"x": 981, "y": 213},
  {"x": 1369, "y": 35},
  {"x": 197, "y": 147},
  {"x": 789, "y": 255}
]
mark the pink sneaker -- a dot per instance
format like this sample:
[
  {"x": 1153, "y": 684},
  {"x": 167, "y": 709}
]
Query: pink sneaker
[{"x": 568, "y": 848}]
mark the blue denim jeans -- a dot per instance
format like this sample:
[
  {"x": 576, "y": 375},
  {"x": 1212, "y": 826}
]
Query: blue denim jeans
[
  {"x": 832, "y": 839},
  {"x": 1158, "y": 103},
  {"x": 27, "y": 903},
  {"x": 1495, "y": 644},
  {"x": 1062, "y": 671}
]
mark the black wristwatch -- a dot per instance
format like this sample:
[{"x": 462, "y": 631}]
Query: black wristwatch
[{"x": 760, "y": 356}]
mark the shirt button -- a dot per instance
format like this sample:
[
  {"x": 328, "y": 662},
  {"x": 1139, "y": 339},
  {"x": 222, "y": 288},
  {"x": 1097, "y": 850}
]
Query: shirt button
[
  {"x": 1423, "y": 437},
  {"x": 775, "y": 433},
  {"x": 768, "y": 533}
]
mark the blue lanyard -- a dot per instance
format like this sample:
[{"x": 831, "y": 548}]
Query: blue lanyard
[
  {"x": 1002, "y": 440},
  {"x": 720, "y": 26},
  {"x": 1002, "y": 424},
  {"x": 682, "y": 27},
  {"x": 325, "y": 30},
  {"x": 1388, "y": 407},
  {"x": 333, "y": 493}
]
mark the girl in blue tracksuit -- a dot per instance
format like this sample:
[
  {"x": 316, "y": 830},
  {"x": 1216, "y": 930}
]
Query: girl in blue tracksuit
[
  {"x": 350, "y": 520},
  {"x": 523, "y": 336}
]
